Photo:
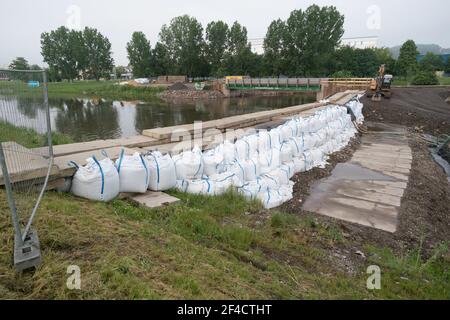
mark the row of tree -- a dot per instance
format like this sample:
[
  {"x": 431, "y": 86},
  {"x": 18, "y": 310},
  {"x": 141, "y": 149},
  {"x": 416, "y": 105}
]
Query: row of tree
[
  {"x": 72, "y": 54},
  {"x": 182, "y": 49},
  {"x": 306, "y": 44}
]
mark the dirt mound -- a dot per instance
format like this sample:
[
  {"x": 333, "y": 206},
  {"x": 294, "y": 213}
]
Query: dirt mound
[
  {"x": 422, "y": 109},
  {"x": 189, "y": 94},
  {"x": 178, "y": 86}
]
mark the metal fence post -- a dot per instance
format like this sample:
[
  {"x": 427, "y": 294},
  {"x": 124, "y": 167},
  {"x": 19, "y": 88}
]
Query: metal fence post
[{"x": 9, "y": 192}]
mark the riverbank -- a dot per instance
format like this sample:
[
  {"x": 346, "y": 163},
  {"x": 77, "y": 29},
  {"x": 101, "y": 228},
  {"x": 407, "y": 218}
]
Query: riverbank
[
  {"x": 221, "y": 247},
  {"x": 111, "y": 90},
  {"x": 30, "y": 138}
]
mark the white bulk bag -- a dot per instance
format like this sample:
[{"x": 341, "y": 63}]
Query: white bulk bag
[
  {"x": 307, "y": 141},
  {"x": 286, "y": 191},
  {"x": 251, "y": 169},
  {"x": 263, "y": 141},
  {"x": 242, "y": 149},
  {"x": 97, "y": 180},
  {"x": 189, "y": 164},
  {"x": 275, "y": 158},
  {"x": 250, "y": 189},
  {"x": 252, "y": 141},
  {"x": 133, "y": 172},
  {"x": 275, "y": 138},
  {"x": 222, "y": 182},
  {"x": 289, "y": 167},
  {"x": 286, "y": 152},
  {"x": 229, "y": 152},
  {"x": 237, "y": 170},
  {"x": 317, "y": 157},
  {"x": 213, "y": 162},
  {"x": 286, "y": 132},
  {"x": 296, "y": 146},
  {"x": 300, "y": 164},
  {"x": 270, "y": 198},
  {"x": 279, "y": 175},
  {"x": 200, "y": 186},
  {"x": 162, "y": 171}
]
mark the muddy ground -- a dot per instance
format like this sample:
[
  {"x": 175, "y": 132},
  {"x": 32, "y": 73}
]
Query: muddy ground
[
  {"x": 421, "y": 109},
  {"x": 424, "y": 220}
]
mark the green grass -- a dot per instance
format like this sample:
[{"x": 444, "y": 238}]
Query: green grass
[
  {"x": 28, "y": 137},
  {"x": 102, "y": 89},
  {"x": 203, "y": 248}
]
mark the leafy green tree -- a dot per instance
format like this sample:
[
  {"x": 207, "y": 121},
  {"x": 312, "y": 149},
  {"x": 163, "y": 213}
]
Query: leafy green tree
[
  {"x": 240, "y": 58},
  {"x": 64, "y": 51},
  {"x": 407, "y": 60},
  {"x": 342, "y": 74},
  {"x": 431, "y": 62},
  {"x": 19, "y": 63},
  {"x": 35, "y": 67},
  {"x": 161, "y": 60},
  {"x": 307, "y": 41},
  {"x": 425, "y": 78},
  {"x": 217, "y": 33},
  {"x": 447, "y": 66},
  {"x": 140, "y": 55},
  {"x": 275, "y": 48},
  {"x": 183, "y": 40},
  {"x": 384, "y": 56},
  {"x": 99, "y": 61}
]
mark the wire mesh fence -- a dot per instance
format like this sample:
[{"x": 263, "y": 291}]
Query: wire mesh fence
[{"x": 26, "y": 156}]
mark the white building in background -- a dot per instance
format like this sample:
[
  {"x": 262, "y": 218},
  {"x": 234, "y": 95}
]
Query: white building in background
[
  {"x": 257, "y": 45},
  {"x": 360, "y": 42}
]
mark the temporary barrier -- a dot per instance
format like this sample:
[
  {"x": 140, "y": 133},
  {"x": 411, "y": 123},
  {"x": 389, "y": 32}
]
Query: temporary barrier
[
  {"x": 133, "y": 172},
  {"x": 271, "y": 198},
  {"x": 162, "y": 171},
  {"x": 213, "y": 162},
  {"x": 97, "y": 180},
  {"x": 259, "y": 166},
  {"x": 223, "y": 181},
  {"x": 189, "y": 164},
  {"x": 251, "y": 169},
  {"x": 198, "y": 186}
]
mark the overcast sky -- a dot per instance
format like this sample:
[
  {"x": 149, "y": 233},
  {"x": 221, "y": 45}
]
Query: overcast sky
[{"x": 22, "y": 21}]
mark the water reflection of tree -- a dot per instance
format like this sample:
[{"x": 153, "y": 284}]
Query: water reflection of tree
[{"x": 88, "y": 121}]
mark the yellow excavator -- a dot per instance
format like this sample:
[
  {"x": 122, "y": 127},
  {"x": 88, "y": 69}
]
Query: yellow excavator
[{"x": 381, "y": 85}]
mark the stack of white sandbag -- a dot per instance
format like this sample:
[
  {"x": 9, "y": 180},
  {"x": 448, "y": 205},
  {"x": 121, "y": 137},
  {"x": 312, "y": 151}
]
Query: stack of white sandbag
[{"x": 261, "y": 165}]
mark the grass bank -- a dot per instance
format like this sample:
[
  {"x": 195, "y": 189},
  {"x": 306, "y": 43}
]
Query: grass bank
[
  {"x": 28, "y": 137},
  {"x": 205, "y": 248},
  {"x": 102, "y": 89}
]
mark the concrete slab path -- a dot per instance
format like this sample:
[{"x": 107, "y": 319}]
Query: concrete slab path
[{"x": 368, "y": 189}]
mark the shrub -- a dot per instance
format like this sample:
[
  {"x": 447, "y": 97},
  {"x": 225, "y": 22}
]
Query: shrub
[
  {"x": 342, "y": 74},
  {"x": 425, "y": 78}
]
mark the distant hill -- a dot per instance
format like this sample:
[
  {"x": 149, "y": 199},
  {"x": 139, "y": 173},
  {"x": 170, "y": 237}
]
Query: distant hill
[{"x": 423, "y": 49}]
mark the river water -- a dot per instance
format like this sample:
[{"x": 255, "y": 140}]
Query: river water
[{"x": 88, "y": 119}]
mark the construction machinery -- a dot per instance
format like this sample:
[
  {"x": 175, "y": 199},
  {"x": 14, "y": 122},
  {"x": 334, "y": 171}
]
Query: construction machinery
[{"x": 381, "y": 85}]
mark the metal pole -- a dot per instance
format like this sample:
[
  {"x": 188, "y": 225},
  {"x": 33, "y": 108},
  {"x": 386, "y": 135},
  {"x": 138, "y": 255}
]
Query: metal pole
[
  {"x": 47, "y": 109},
  {"x": 50, "y": 151},
  {"x": 9, "y": 193}
]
